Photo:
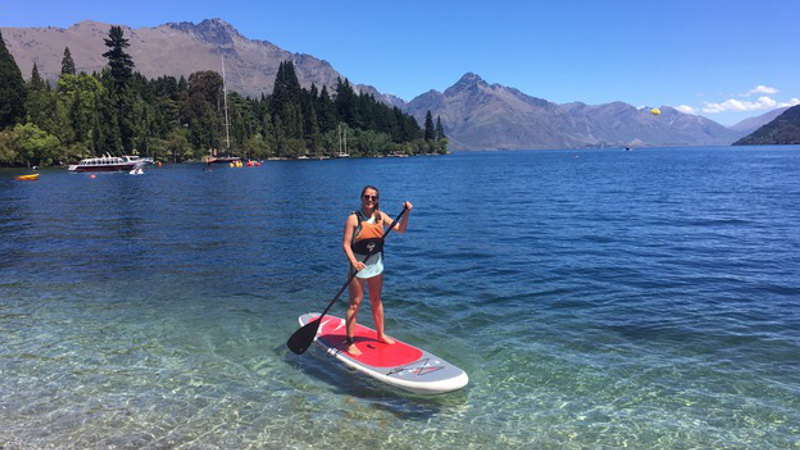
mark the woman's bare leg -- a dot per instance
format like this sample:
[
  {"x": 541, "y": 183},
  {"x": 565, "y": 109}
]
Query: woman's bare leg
[
  {"x": 375, "y": 284},
  {"x": 356, "y": 295}
]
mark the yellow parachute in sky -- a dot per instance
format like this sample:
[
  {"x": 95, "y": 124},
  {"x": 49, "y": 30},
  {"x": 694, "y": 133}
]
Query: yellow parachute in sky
[{"x": 655, "y": 111}]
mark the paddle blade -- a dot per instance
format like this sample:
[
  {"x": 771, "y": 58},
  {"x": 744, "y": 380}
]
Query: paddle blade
[{"x": 302, "y": 338}]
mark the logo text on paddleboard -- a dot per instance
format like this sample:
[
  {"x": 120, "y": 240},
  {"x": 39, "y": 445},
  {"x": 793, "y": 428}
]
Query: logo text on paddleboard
[{"x": 419, "y": 369}]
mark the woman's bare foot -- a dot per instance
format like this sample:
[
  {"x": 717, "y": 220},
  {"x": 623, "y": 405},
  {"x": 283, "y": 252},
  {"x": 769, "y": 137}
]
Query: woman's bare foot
[
  {"x": 386, "y": 340},
  {"x": 353, "y": 350}
]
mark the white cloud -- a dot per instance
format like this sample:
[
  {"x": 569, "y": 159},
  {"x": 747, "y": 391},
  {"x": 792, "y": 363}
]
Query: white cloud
[
  {"x": 761, "y": 103},
  {"x": 766, "y": 102},
  {"x": 732, "y": 104},
  {"x": 760, "y": 89}
]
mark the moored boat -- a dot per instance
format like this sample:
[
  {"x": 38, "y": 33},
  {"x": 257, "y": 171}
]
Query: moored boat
[
  {"x": 222, "y": 159},
  {"x": 31, "y": 177},
  {"x": 110, "y": 164},
  {"x": 226, "y": 157}
]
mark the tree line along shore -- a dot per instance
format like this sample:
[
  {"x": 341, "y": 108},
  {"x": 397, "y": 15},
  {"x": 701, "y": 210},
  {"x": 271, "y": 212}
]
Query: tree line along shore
[{"x": 119, "y": 111}]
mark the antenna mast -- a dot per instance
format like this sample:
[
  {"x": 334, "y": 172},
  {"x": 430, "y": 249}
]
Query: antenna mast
[{"x": 225, "y": 100}]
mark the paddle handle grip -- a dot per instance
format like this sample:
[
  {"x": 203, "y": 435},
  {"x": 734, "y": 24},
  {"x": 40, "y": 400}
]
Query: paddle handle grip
[{"x": 394, "y": 222}]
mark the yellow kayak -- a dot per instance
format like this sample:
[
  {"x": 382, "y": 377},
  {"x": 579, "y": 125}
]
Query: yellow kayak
[{"x": 31, "y": 177}]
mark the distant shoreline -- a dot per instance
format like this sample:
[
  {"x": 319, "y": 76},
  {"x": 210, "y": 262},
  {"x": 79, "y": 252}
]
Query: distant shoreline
[{"x": 272, "y": 158}]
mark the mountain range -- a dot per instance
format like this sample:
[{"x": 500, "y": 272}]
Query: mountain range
[
  {"x": 479, "y": 115},
  {"x": 175, "y": 49},
  {"x": 474, "y": 113},
  {"x": 783, "y": 130},
  {"x": 751, "y": 124}
]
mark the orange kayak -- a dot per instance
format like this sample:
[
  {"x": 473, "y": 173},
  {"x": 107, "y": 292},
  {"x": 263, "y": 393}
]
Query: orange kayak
[{"x": 30, "y": 177}]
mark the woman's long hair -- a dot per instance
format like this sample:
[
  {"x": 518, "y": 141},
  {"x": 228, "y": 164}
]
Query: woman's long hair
[{"x": 377, "y": 208}]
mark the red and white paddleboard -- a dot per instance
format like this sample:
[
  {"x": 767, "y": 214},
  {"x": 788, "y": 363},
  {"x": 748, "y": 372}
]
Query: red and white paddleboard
[{"x": 400, "y": 365}]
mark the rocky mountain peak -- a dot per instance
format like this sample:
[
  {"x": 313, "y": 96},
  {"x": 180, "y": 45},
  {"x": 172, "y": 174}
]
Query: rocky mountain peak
[
  {"x": 468, "y": 80},
  {"x": 215, "y": 31},
  {"x": 88, "y": 24}
]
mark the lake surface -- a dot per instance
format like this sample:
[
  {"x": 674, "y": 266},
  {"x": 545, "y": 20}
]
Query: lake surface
[{"x": 596, "y": 298}]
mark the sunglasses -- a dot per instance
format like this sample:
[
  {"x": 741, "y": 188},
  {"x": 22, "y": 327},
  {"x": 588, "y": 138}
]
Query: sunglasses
[{"x": 370, "y": 197}]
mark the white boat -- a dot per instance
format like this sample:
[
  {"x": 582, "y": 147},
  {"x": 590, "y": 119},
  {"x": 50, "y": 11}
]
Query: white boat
[{"x": 110, "y": 163}]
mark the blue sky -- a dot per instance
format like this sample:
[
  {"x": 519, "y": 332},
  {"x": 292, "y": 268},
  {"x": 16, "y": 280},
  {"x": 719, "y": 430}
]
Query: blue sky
[{"x": 727, "y": 60}]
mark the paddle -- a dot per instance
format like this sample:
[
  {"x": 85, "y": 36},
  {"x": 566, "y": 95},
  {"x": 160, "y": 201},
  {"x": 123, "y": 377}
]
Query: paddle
[{"x": 302, "y": 338}]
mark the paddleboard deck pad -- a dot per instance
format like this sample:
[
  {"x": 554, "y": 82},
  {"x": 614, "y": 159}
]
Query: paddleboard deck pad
[{"x": 399, "y": 364}]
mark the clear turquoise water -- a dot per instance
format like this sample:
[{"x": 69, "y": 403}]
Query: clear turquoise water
[{"x": 596, "y": 299}]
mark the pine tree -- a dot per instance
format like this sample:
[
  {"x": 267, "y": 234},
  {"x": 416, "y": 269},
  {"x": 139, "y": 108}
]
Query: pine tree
[
  {"x": 40, "y": 103},
  {"x": 107, "y": 135},
  {"x": 12, "y": 89},
  {"x": 439, "y": 129},
  {"x": 287, "y": 87},
  {"x": 76, "y": 117},
  {"x": 430, "y": 133},
  {"x": 121, "y": 75},
  {"x": 326, "y": 111},
  {"x": 182, "y": 84},
  {"x": 67, "y": 64},
  {"x": 120, "y": 62},
  {"x": 310, "y": 122},
  {"x": 36, "y": 81},
  {"x": 409, "y": 127},
  {"x": 201, "y": 108},
  {"x": 346, "y": 103},
  {"x": 286, "y": 101}
]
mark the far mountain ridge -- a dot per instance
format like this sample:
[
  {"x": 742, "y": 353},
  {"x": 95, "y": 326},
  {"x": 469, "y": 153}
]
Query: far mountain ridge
[
  {"x": 751, "y": 124},
  {"x": 175, "y": 49},
  {"x": 475, "y": 114},
  {"x": 478, "y": 115}
]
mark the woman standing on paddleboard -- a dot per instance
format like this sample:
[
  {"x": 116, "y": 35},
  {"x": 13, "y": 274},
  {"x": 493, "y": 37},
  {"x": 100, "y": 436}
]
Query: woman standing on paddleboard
[{"x": 362, "y": 235}]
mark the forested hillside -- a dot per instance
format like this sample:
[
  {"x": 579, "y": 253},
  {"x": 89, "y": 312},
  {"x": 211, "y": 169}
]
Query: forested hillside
[
  {"x": 783, "y": 130},
  {"x": 119, "y": 111}
]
